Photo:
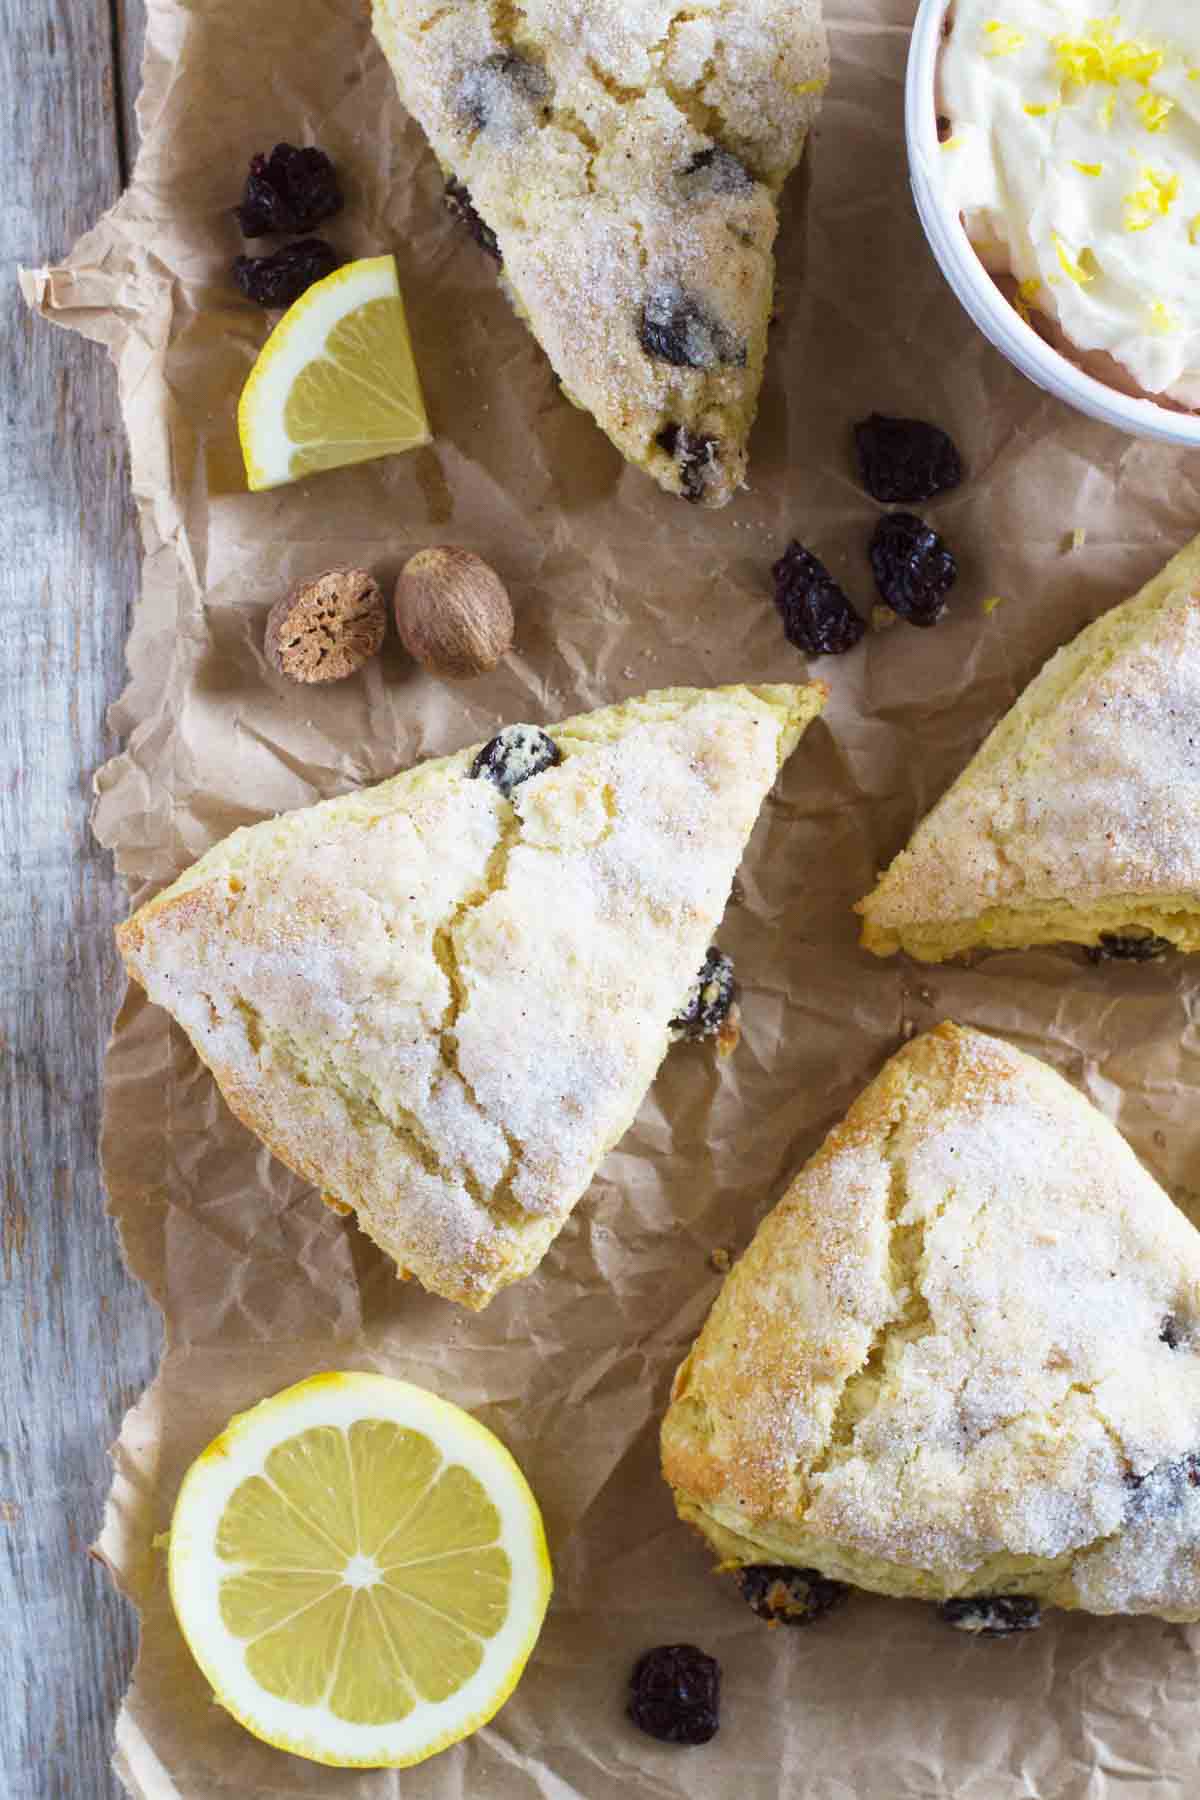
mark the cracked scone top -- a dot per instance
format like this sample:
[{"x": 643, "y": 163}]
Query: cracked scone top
[
  {"x": 628, "y": 157},
  {"x": 1078, "y": 820},
  {"x": 962, "y": 1355},
  {"x": 442, "y": 1003}
]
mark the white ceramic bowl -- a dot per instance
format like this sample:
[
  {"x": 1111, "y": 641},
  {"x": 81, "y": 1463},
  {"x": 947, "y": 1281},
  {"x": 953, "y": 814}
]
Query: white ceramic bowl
[{"x": 974, "y": 286}]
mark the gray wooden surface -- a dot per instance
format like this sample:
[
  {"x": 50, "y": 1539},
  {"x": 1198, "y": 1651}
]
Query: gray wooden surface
[{"x": 77, "y": 1339}]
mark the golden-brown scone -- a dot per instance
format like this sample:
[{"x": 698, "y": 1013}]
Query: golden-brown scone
[
  {"x": 960, "y": 1357},
  {"x": 443, "y": 1004},
  {"x": 1079, "y": 819},
  {"x": 627, "y": 158}
]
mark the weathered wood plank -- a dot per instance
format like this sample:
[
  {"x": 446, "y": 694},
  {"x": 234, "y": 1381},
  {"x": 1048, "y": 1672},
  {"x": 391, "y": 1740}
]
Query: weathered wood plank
[
  {"x": 77, "y": 1338},
  {"x": 129, "y": 24}
]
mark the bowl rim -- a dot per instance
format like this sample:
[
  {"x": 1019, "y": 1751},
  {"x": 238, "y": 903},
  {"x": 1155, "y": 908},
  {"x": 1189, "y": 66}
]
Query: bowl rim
[{"x": 974, "y": 287}]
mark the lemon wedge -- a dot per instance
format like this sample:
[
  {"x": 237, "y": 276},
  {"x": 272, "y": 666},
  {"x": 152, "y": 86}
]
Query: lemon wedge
[
  {"x": 360, "y": 1570},
  {"x": 335, "y": 383}
]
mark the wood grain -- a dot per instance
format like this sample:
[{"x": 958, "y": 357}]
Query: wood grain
[
  {"x": 77, "y": 1337},
  {"x": 129, "y": 35}
]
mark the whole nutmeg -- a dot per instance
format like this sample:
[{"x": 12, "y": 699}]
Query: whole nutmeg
[
  {"x": 453, "y": 613},
  {"x": 327, "y": 628}
]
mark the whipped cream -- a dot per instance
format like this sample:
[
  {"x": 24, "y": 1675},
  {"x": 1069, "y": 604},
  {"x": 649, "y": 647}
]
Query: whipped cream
[{"x": 1073, "y": 156}]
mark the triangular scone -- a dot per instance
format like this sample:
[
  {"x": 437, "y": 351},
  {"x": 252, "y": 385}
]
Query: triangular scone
[
  {"x": 1079, "y": 819},
  {"x": 627, "y": 158},
  {"x": 962, "y": 1355},
  {"x": 443, "y": 1003}
]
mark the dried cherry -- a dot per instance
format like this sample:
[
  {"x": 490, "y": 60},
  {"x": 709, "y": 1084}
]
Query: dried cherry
[
  {"x": 694, "y": 452},
  {"x": 459, "y": 202},
  {"x": 786, "y": 1596},
  {"x": 992, "y": 1615},
  {"x": 914, "y": 568},
  {"x": 675, "y": 1694},
  {"x": 714, "y": 171},
  {"x": 515, "y": 755},
  {"x": 489, "y": 91},
  {"x": 1162, "y": 1489},
  {"x": 1115, "y": 947},
  {"x": 290, "y": 190},
  {"x": 675, "y": 328},
  {"x": 905, "y": 461},
  {"x": 280, "y": 279},
  {"x": 709, "y": 1000},
  {"x": 817, "y": 617}
]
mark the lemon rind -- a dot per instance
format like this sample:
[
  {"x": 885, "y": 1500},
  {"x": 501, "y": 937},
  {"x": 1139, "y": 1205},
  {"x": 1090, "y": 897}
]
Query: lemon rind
[{"x": 287, "y": 351}]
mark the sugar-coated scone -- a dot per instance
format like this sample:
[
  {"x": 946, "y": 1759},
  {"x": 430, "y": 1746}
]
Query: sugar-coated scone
[
  {"x": 627, "y": 158},
  {"x": 442, "y": 999},
  {"x": 960, "y": 1357},
  {"x": 1079, "y": 818}
]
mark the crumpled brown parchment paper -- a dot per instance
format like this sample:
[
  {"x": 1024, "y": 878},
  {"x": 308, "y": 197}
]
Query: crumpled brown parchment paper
[{"x": 618, "y": 588}]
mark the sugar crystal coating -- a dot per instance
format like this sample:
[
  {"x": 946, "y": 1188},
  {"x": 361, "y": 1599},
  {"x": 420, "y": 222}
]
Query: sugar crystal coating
[
  {"x": 442, "y": 1005},
  {"x": 941, "y": 1368},
  {"x": 623, "y": 154}
]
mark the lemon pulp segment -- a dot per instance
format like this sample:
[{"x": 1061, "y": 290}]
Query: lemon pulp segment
[{"x": 368, "y": 1612}]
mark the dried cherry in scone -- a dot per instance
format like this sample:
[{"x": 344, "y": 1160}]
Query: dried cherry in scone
[
  {"x": 709, "y": 1000},
  {"x": 515, "y": 755},
  {"x": 914, "y": 569},
  {"x": 1163, "y": 1489},
  {"x": 459, "y": 202},
  {"x": 497, "y": 90},
  {"x": 817, "y": 617},
  {"x": 1116, "y": 947},
  {"x": 992, "y": 1615},
  {"x": 786, "y": 1596},
  {"x": 279, "y": 280},
  {"x": 676, "y": 328},
  {"x": 714, "y": 171},
  {"x": 905, "y": 461},
  {"x": 675, "y": 1694},
  {"x": 694, "y": 452},
  {"x": 292, "y": 190}
]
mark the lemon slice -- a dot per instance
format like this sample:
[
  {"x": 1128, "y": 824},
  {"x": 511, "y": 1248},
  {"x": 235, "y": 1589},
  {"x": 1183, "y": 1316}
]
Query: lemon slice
[
  {"x": 335, "y": 383},
  {"x": 360, "y": 1570}
]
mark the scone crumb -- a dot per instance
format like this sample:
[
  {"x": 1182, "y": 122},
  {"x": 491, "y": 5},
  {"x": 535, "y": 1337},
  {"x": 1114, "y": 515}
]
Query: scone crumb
[
  {"x": 992, "y": 602},
  {"x": 1078, "y": 538},
  {"x": 883, "y": 618},
  {"x": 720, "y": 1260}
]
